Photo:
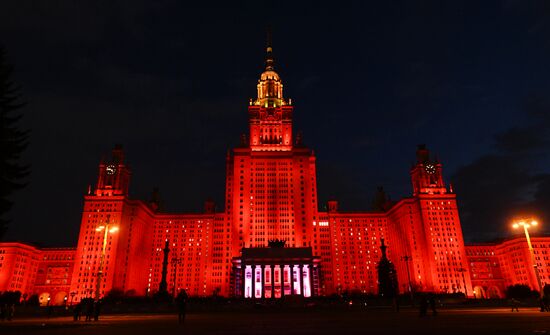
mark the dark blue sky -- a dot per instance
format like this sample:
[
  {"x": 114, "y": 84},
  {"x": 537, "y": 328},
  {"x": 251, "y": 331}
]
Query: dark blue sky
[{"x": 369, "y": 81}]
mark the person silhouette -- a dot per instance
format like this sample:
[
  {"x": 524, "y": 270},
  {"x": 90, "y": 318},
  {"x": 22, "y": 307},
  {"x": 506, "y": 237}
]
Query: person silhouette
[
  {"x": 433, "y": 305},
  {"x": 181, "y": 302},
  {"x": 89, "y": 309},
  {"x": 97, "y": 310},
  {"x": 77, "y": 311},
  {"x": 423, "y": 306},
  {"x": 515, "y": 304}
]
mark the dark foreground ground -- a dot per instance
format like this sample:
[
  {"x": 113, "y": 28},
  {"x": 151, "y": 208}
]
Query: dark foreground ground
[{"x": 299, "y": 321}]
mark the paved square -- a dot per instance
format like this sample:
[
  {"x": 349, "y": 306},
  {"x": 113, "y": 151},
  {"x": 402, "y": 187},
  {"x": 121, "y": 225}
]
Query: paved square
[{"x": 456, "y": 321}]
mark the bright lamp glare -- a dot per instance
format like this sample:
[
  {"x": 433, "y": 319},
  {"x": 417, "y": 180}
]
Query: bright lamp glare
[
  {"x": 515, "y": 226},
  {"x": 113, "y": 230},
  {"x": 534, "y": 223},
  {"x": 100, "y": 228}
]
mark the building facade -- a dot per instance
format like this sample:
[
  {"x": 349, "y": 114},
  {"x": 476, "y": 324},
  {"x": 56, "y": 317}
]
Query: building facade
[
  {"x": 495, "y": 266},
  {"x": 45, "y": 272},
  {"x": 270, "y": 195}
]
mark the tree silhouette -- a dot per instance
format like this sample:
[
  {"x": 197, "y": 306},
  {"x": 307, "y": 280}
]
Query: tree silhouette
[
  {"x": 520, "y": 291},
  {"x": 13, "y": 142}
]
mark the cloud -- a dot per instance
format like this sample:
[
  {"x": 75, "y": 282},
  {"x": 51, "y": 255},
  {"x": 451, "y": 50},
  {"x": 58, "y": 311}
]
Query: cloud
[{"x": 513, "y": 180}]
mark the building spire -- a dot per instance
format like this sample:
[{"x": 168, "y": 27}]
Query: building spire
[{"x": 269, "y": 52}]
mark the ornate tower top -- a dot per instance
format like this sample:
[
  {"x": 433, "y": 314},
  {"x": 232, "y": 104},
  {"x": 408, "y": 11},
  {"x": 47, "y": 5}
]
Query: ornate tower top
[
  {"x": 270, "y": 86},
  {"x": 270, "y": 116}
]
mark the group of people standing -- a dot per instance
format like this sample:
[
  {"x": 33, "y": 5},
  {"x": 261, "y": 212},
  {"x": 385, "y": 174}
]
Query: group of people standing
[
  {"x": 6, "y": 311},
  {"x": 425, "y": 302},
  {"x": 90, "y": 307},
  {"x": 545, "y": 303}
]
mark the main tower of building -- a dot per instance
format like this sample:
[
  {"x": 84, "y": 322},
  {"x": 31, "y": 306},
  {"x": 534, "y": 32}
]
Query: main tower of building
[{"x": 271, "y": 189}]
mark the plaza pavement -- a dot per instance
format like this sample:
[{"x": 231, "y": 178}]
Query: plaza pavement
[{"x": 339, "y": 321}]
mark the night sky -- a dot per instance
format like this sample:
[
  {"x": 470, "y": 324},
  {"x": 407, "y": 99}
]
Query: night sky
[{"x": 369, "y": 81}]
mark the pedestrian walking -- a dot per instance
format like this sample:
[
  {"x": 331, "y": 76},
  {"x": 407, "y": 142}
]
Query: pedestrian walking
[
  {"x": 515, "y": 304},
  {"x": 423, "y": 306},
  {"x": 89, "y": 309},
  {"x": 3, "y": 311},
  {"x": 396, "y": 303},
  {"x": 433, "y": 305},
  {"x": 97, "y": 310},
  {"x": 11, "y": 311},
  {"x": 76, "y": 311},
  {"x": 181, "y": 301}
]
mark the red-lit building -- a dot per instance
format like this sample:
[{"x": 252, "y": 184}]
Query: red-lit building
[
  {"x": 495, "y": 266},
  {"x": 45, "y": 272},
  {"x": 53, "y": 277},
  {"x": 271, "y": 196},
  {"x": 18, "y": 267}
]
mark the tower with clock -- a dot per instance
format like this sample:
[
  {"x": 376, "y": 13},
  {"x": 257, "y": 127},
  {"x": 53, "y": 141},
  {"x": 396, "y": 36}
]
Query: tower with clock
[
  {"x": 426, "y": 174},
  {"x": 114, "y": 175}
]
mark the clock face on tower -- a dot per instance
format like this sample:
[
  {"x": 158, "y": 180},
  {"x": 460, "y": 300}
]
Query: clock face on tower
[
  {"x": 111, "y": 169},
  {"x": 430, "y": 168}
]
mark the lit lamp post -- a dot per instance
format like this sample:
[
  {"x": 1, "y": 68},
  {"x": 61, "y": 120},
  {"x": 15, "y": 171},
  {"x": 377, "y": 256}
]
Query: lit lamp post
[
  {"x": 526, "y": 225},
  {"x": 175, "y": 262},
  {"x": 106, "y": 229},
  {"x": 462, "y": 270},
  {"x": 407, "y": 259},
  {"x": 72, "y": 296}
]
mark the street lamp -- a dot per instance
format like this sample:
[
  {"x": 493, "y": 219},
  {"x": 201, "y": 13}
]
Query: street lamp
[
  {"x": 175, "y": 262},
  {"x": 407, "y": 259},
  {"x": 462, "y": 270},
  {"x": 106, "y": 229},
  {"x": 526, "y": 224}
]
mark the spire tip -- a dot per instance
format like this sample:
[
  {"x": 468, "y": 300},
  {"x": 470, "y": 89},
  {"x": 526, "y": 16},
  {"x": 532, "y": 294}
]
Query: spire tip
[{"x": 269, "y": 51}]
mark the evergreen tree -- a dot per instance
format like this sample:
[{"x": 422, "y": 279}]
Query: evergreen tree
[{"x": 13, "y": 142}]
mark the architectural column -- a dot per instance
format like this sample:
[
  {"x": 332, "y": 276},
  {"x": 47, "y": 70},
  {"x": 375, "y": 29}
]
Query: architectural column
[
  {"x": 243, "y": 279},
  {"x": 262, "y": 267},
  {"x": 253, "y": 295},
  {"x": 291, "y": 279},
  {"x": 282, "y": 279},
  {"x": 311, "y": 281},
  {"x": 301, "y": 276},
  {"x": 272, "y": 267}
]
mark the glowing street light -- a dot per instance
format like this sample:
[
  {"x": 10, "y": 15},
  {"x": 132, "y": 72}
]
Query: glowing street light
[
  {"x": 462, "y": 270},
  {"x": 72, "y": 294},
  {"x": 526, "y": 224},
  {"x": 106, "y": 229},
  {"x": 175, "y": 262},
  {"x": 407, "y": 259}
]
